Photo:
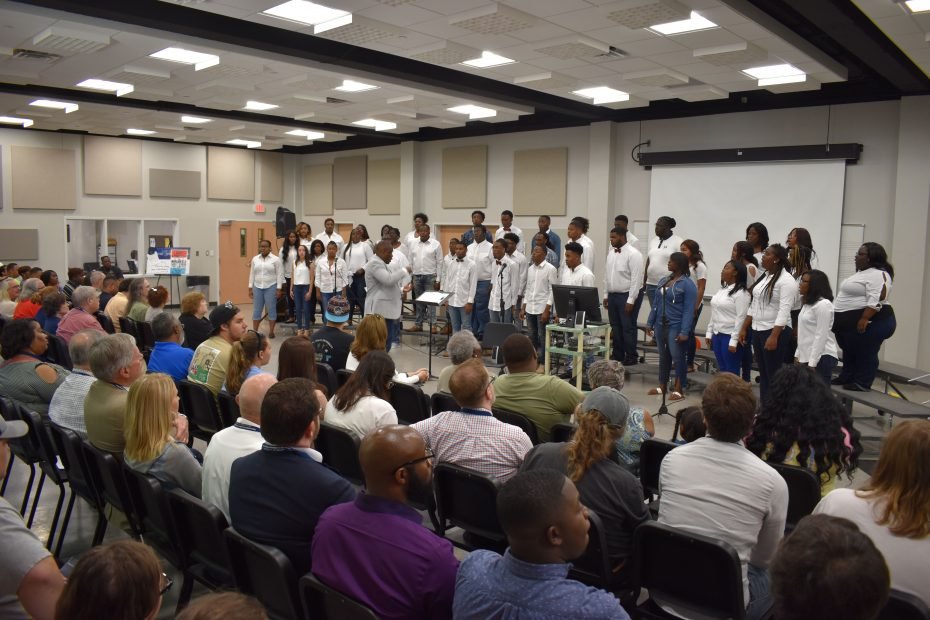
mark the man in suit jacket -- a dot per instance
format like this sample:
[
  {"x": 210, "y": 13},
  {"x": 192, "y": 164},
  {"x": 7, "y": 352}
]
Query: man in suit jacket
[{"x": 383, "y": 296}]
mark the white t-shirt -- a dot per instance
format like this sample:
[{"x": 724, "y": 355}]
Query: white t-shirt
[
  {"x": 369, "y": 413},
  {"x": 863, "y": 289},
  {"x": 815, "y": 335},
  {"x": 301, "y": 273},
  {"x": 657, "y": 257}
]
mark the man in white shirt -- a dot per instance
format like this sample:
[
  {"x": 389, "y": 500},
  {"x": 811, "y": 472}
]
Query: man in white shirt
[
  {"x": 244, "y": 437},
  {"x": 480, "y": 252},
  {"x": 545, "y": 226},
  {"x": 521, "y": 263},
  {"x": 537, "y": 291},
  {"x": 574, "y": 271},
  {"x": 425, "y": 258},
  {"x": 413, "y": 236},
  {"x": 329, "y": 235},
  {"x": 507, "y": 226},
  {"x": 400, "y": 261},
  {"x": 384, "y": 287},
  {"x": 460, "y": 279},
  {"x": 447, "y": 260},
  {"x": 715, "y": 487},
  {"x": 623, "y": 281},
  {"x": 356, "y": 255},
  {"x": 504, "y": 278},
  {"x": 266, "y": 282},
  {"x": 622, "y": 221},
  {"x": 576, "y": 233}
]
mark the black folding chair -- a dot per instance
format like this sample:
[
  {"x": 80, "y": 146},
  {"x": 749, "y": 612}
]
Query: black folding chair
[
  {"x": 410, "y": 403},
  {"x": 201, "y": 409},
  {"x": 229, "y": 408},
  {"x": 342, "y": 375},
  {"x": 904, "y": 606},
  {"x": 324, "y": 603},
  {"x": 265, "y": 573},
  {"x": 23, "y": 449},
  {"x": 467, "y": 499},
  {"x": 494, "y": 336},
  {"x": 128, "y": 326},
  {"x": 339, "y": 448},
  {"x": 561, "y": 432},
  {"x": 41, "y": 446},
  {"x": 594, "y": 567},
  {"x": 803, "y": 492},
  {"x": 519, "y": 420},
  {"x": 327, "y": 377},
  {"x": 108, "y": 477},
  {"x": 105, "y": 322},
  {"x": 650, "y": 464},
  {"x": 58, "y": 352},
  {"x": 146, "y": 335},
  {"x": 80, "y": 479},
  {"x": 440, "y": 402}
]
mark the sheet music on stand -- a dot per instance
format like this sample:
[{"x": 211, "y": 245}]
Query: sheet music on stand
[{"x": 433, "y": 298}]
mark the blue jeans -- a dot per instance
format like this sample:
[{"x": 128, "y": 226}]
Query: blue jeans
[
  {"x": 726, "y": 361},
  {"x": 760, "y": 597},
  {"x": 651, "y": 294},
  {"x": 393, "y": 328},
  {"x": 825, "y": 368},
  {"x": 671, "y": 350},
  {"x": 265, "y": 298},
  {"x": 480, "y": 314},
  {"x": 623, "y": 326},
  {"x": 860, "y": 351},
  {"x": 537, "y": 333},
  {"x": 357, "y": 294},
  {"x": 770, "y": 361},
  {"x": 459, "y": 318},
  {"x": 502, "y": 317},
  {"x": 302, "y": 305},
  {"x": 421, "y": 284}
]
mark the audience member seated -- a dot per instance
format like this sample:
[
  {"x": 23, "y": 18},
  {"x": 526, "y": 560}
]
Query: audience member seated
[
  {"x": 362, "y": 404},
  {"x": 297, "y": 359},
  {"x": 116, "y": 362},
  {"x": 462, "y": 346},
  {"x": 717, "y": 488},
  {"x": 331, "y": 341},
  {"x": 107, "y": 267},
  {"x": 376, "y": 549},
  {"x": 371, "y": 335},
  {"x": 24, "y": 377},
  {"x": 691, "y": 425},
  {"x": 67, "y": 406},
  {"x": 547, "y": 527},
  {"x": 9, "y": 292},
  {"x": 827, "y": 568},
  {"x": 544, "y": 399},
  {"x": 608, "y": 489},
  {"x": 472, "y": 437},
  {"x": 75, "y": 277},
  {"x": 54, "y": 308},
  {"x": 639, "y": 425},
  {"x": 122, "y": 579},
  {"x": 276, "y": 495},
  {"x": 30, "y": 582},
  {"x": 95, "y": 279},
  {"x": 86, "y": 302},
  {"x": 893, "y": 507},
  {"x": 157, "y": 298},
  {"x": 117, "y": 305},
  {"x": 29, "y": 301},
  {"x": 168, "y": 356},
  {"x": 246, "y": 360},
  {"x": 197, "y": 326},
  {"x": 240, "y": 439},
  {"x": 137, "y": 304},
  {"x": 108, "y": 289},
  {"x": 211, "y": 359},
  {"x": 223, "y": 606},
  {"x": 802, "y": 423},
  {"x": 151, "y": 414}
]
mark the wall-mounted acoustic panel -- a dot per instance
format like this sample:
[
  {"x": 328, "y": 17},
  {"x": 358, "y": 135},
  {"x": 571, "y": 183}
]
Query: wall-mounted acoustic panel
[
  {"x": 19, "y": 244},
  {"x": 384, "y": 187},
  {"x": 540, "y": 181},
  {"x": 174, "y": 183},
  {"x": 230, "y": 174},
  {"x": 465, "y": 177},
  {"x": 44, "y": 178},
  {"x": 271, "y": 166},
  {"x": 350, "y": 182},
  {"x": 317, "y": 191},
  {"x": 112, "y": 166}
]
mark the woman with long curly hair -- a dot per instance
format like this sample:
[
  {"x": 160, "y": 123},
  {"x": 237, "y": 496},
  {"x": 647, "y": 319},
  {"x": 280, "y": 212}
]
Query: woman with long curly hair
[
  {"x": 371, "y": 335},
  {"x": 802, "y": 423}
]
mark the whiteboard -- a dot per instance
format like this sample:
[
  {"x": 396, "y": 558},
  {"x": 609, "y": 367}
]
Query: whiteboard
[{"x": 714, "y": 203}]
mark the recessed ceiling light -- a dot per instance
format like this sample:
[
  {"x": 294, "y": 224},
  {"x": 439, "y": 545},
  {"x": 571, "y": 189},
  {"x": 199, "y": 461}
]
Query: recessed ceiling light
[
  {"x": 119, "y": 88},
  {"x": 772, "y": 71},
  {"x": 187, "y": 57},
  {"x": 195, "y": 120},
  {"x": 305, "y": 12},
  {"x": 259, "y": 106},
  {"x": 351, "y": 86},
  {"x": 375, "y": 124},
  {"x": 473, "y": 111},
  {"x": 602, "y": 94},
  {"x": 139, "y": 132},
  {"x": 13, "y": 120},
  {"x": 306, "y": 133},
  {"x": 917, "y": 6},
  {"x": 252, "y": 144},
  {"x": 785, "y": 79},
  {"x": 695, "y": 22},
  {"x": 489, "y": 59},
  {"x": 55, "y": 105}
]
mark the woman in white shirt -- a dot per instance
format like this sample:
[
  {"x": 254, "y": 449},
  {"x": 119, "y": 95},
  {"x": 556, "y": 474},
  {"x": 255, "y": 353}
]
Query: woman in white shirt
[
  {"x": 288, "y": 255},
  {"x": 266, "y": 277},
  {"x": 331, "y": 276},
  {"x": 304, "y": 234},
  {"x": 362, "y": 404},
  {"x": 698, "y": 275},
  {"x": 660, "y": 249},
  {"x": 864, "y": 319},
  {"x": 356, "y": 254},
  {"x": 816, "y": 344},
  {"x": 728, "y": 308},
  {"x": 742, "y": 252},
  {"x": 757, "y": 236},
  {"x": 371, "y": 335},
  {"x": 317, "y": 254},
  {"x": 301, "y": 283}
]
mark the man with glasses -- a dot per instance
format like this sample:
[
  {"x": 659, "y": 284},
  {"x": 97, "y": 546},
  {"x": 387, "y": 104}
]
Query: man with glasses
[{"x": 376, "y": 549}]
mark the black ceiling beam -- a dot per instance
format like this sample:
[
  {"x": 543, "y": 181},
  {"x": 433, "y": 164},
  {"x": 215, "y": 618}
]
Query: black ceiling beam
[{"x": 848, "y": 151}]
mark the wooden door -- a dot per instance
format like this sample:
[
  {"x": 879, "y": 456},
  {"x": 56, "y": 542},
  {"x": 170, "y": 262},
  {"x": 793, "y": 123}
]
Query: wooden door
[
  {"x": 238, "y": 244},
  {"x": 344, "y": 230},
  {"x": 448, "y": 231}
]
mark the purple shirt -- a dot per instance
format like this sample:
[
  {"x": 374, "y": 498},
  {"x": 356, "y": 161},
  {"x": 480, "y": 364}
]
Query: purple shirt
[
  {"x": 75, "y": 321},
  {"x": 377, "y": 551}
]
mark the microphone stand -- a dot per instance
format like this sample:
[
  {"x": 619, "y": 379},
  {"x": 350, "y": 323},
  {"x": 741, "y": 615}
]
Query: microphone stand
[
  {"x": 663, "y": 408},
  {"x": 501, "y": 277}
]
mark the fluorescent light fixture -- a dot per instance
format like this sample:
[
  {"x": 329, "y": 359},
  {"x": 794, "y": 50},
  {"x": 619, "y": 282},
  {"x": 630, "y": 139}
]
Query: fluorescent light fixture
[
  {"x": 305, "y": 12},
  {"x": 259, "y": 106},
  {"x": 489, "y": 59},
  {"x": 772, "y": 71},
  {"x": 351, "y": 86},
  {"x": 13, "y": 120},
  {"x": 695, "y": 22},
  {"x": 195, "y": 120},
  {"x": 917, "y": 6},
  {"x": 187, "y": 57},
  {"x": 375, "y": 124},
  {"x": 785, "y": 79},
  {"x": 55, "y": 105},
  {"x": 119, "y": 88},
  {"x": 473, "y": 111},
  {"x": 252, "y": 144},
  {"x": 602, "y": 94},
  {"x": 139, "y": 132},
  {"x": 306, "y": 133}
]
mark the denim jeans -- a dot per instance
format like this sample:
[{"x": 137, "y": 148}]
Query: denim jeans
[
  {"x": 671, "y": 350},
  {"x": 502, "y": 317},
  {"x": 480, "y": 313},
  {"x": 356, "y": 292},
  {"x": 760, "y": 597},
  {"x": 459, "y": 318},
  {"x": 825, "y": 367},
  {"x": 726, "y": 361},
  {"x": 265, "y": 298},
  {"x": 651, "y": 294},
  {"x": 325, "y": 303},
  {"x": 291, "y": 309},
  {"x": 393, "y": 327},
  {"x": 421, "y": 284},
  {"x": 770, "y": 361},
  {"x": 302, "y": 305},
  {"x": 537, "y": 333},
  {"x": 860, "y": 351}
]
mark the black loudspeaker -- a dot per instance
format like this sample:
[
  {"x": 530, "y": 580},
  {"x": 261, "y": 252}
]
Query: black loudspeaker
[{"x": 285, "y": 220}]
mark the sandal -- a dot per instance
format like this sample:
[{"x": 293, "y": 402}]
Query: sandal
[
  {"x": 656, "y": 391},
  {"x": 675, "y": 397}
]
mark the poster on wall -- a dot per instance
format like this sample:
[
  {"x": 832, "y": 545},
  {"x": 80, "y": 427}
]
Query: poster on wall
[{"x": 168, "y": 261}]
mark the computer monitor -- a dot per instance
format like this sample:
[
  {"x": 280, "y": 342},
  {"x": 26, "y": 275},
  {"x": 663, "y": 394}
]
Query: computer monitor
[{"x": 571, "y": 299}]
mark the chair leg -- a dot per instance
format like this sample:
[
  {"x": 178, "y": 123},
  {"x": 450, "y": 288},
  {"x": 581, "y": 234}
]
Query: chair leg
[
  {"x": 64, "y": 525},
  {"x": 9, "y": 468},
  {"x": 35, "y": 500},
  {"x": 184, "y": 596},
  {"x": 56, "y": 516},
  {"x": 101, "y": 530},
  {"x": 32, "y": 477}
]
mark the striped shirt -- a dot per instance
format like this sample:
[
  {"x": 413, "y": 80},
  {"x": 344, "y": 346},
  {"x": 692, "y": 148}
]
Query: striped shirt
[{"x": 67, "y": 406}]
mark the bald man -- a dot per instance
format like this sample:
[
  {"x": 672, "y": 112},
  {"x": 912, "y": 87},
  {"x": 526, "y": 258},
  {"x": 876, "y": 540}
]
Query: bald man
[
  {"x": 244, "y": 437},
  {"x": 375, "y": 549}
]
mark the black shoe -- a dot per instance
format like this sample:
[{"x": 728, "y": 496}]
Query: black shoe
[
  {"x": 855, "y": 387},
  {"x": 631, "y": 362},
  {"x": 837, "y": 381}
]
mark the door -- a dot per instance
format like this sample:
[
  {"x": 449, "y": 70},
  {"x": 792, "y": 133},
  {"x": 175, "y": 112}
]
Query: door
[
  {"x": 238, "y": 244},
  {"x": 345, "y": 231}
]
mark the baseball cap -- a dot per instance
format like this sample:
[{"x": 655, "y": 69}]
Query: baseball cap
[
  {"x": 610, "y": 403},
  {"x": 222, "y": 314},
  {"x": 12, "y": 429},
  {"x": 337, "y": 310}
]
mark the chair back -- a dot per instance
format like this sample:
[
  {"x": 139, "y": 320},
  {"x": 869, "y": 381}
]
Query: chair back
[
  {"x": 68, "y": 446},
  {"x": 41, "y": 446},
  {"x": 342, "y": 376},
  {"x": 200, "y": 407},
  {"x": 200, "y": 528},
  {"x": 561, "y": 432},
  {"x": 518, "y": 420},
  {"x": 146, "y": 335},
  {"x": 904, "y": 606},
  {"x": 803, "y": 492},
  {"x": 229, "y": 408},
  {"x": 327, "y": 377},
  {"x": 25, "y": 448},
  {"x": 154, "y": 515},
  {"x": 466, "y": 499},
  {"x": 109, "y": 479},
  {"x": 339, "y": 448},
  {"x": 105, "y": 322},
  {"x": 324, "y": 603},
  {"x": 440, "y": 402},
  {"x": 593, "y": 567},
  {"x": 650, "y": 463},
  {"x": 265, "y": 573},
  {"x": 494, "y": 336},
  {"x": 128, "y": 326},
  {"x": 58, "y": 352},
  {"x": 696, "y": 575},
  {"x": 410, "y": 403}
]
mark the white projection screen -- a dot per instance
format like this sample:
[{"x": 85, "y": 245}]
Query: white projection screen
[{"x": 713, "y": 204}]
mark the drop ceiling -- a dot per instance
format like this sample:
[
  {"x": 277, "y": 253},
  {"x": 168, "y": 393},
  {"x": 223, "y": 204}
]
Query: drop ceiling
[{"x": 411, "y": 51}]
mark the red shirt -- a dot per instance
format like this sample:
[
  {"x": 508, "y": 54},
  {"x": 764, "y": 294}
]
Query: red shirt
[{"x": 26, "y": 310}]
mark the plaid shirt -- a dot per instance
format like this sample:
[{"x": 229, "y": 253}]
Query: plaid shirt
[
  {"x": 473, "y": 438},
  {"x": 67, "y": 406}
]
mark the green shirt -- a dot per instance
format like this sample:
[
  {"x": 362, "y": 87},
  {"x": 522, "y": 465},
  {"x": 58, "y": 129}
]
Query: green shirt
[
  {"x": 208, "y": 366},
  {"x": 137, "y": 312},
  {"x": 546, "y": 400}
]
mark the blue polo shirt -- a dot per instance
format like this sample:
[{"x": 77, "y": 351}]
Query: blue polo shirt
[{"x": 171, "y": 359}]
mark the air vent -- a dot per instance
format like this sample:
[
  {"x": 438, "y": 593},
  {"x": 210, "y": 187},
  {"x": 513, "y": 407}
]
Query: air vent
[
  {"x": 25, "y": 54},
  {"x": 612, "y": 52},
  {"x": 70, "y": 41}
]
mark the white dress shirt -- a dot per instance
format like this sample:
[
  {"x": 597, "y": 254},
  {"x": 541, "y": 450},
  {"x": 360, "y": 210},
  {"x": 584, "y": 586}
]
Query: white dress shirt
[
  {"x": 481, "y": 254},
  {"x": 862, "y": 290},
  {"x": 579, "y": 276},
  {"x": 504, "y": 276},
  {"x": 631, "y": 238},
  {"x": 333, "y": 237},
  {"x": 287, "y": 262},
  {"x": 330, "y": 278},
  {"x": 266, "y": 272},
  {"x": 657, "y": 256},
  {"x": 587, "y": 254},
  {"x": 425, "y": 257},
  {"x": 538, "y": 289},
  {"x": 727, "y": 313},
  {"x": 460, "y": 279},
  {"x": 523, "y": 264},
  {"x": 815, "y": 333},
  {"x": 356, "y": 255},
  {"x": 623, "y": 272},
  {"x": 447, "y": 260},
  {"x": 400, "y": 262},
  {"x": 410, "y": 238},
  {"x": 302, "y": 274},
  {"x": 500, "y": 232},
  {"x": 225, "y": 447},
  {"x": 775, "y": 312},
  {"x": 369, "y": 413}
]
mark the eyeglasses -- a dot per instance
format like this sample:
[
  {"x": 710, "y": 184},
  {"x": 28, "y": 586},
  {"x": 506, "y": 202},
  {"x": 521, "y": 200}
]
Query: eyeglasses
[
  {"x": 429, "y": 457},
  {"x": 490, "y": 382},
  {"x": 168, "y": 581}
]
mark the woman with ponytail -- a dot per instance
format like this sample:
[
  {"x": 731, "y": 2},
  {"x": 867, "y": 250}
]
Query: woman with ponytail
[{"x": 246, "y": 360}]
